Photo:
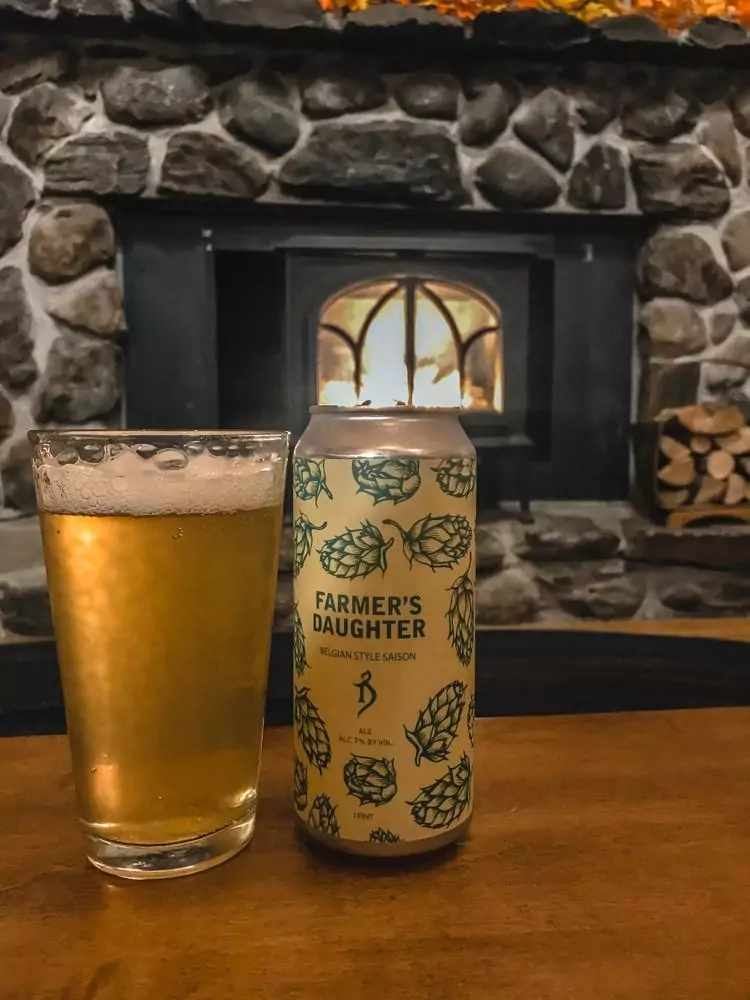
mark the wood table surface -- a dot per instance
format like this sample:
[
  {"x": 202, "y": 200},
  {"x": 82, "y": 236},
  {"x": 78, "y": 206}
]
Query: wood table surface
[{"x": 609, "y": 858}]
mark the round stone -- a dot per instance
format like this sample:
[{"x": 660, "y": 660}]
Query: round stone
[
  {"x": 513, "y": 178},
  {"x": 429, "y": 95},
  {"x": 671, "y": 328},
  {"x": 69, "y": 240},
  {"x": 682, "y": 265},
  {"x": 736, "y": 241}
]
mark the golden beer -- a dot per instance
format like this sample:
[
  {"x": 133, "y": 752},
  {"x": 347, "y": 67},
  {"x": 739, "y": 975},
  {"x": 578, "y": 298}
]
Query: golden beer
[{"x": 163, "y": 603}]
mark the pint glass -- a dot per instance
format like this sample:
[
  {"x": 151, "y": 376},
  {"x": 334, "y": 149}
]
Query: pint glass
[{"x": 161, "y": 552}]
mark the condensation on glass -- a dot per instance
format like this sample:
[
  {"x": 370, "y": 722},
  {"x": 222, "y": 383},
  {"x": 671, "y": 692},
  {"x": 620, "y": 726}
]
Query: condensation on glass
[{"x": 411, "y": 339}]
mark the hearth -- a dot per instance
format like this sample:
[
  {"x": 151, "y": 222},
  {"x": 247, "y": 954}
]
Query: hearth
[{"x": 247, "y": 320}]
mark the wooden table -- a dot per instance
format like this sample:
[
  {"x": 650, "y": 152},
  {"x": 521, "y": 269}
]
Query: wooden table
[{"x": 609, "y": 859}]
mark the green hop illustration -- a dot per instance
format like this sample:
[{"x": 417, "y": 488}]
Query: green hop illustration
[
  {"x": 461, "y": 618},
  {"x": 309, "y": 479},
  {"x": 457, "y": 477},
  {"x": 471, "y": 716},
  {"x": 437, "y": 542},
  {"x": 437, "y": 724},
  {"x": 300, "y": 785},
  {"x": 372, "y": 780},
  {"x": 303, "y": 539},
  {"x": 322, "y": 816},
  {"x": 443, "y": 802},
  {"x": 381, "y": 836},
  {"x": 311, "y": 730},
  {"x": 356, "y": 553},
  {"x": 386, "y": 480},
  {"x": 299, "y": 653}
]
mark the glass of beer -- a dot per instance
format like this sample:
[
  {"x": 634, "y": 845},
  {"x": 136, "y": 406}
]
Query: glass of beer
[{"x": 162, "y": 551}]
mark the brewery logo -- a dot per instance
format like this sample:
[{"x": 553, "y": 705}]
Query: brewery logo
[{"x": 367, "y": 693}]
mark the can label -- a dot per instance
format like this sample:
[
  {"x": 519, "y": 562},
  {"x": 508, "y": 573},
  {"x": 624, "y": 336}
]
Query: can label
[{"x": 384, "y": 645}]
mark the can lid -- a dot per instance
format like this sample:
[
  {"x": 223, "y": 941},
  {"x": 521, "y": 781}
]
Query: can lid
[{"x": 398, "y": 409}]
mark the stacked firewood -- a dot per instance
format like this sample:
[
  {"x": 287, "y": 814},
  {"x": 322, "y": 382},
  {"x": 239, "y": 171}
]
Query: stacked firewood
[{"x": 704, "y": 457}]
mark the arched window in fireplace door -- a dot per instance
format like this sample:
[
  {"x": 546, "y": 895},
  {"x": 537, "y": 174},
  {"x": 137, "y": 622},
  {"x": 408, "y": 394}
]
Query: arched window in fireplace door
[{"x": 411, "y": 339}]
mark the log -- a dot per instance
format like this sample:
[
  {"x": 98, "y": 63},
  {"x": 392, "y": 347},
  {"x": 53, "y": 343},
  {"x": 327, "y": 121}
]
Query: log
[
  {"x": 709, "y": 491},
  {"x": 672, "y": 499},
  {"x": 720, "y": 464},
  {"x": 736, "y": 443},
  {"x": 700, "y": 445},
  {"x": 710, "y": 418},
  {"x": 681, "y": 472},
  {"x": 747, "y": 491},
  {"x": 735, "y": 490},
  {"x": 673, "y": 449}
]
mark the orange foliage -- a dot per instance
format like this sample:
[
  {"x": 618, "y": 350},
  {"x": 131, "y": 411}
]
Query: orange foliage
[{"x": 673, "y": 15}]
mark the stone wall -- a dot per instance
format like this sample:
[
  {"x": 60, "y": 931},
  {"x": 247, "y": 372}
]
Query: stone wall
[{"x": 81, "y": 121}]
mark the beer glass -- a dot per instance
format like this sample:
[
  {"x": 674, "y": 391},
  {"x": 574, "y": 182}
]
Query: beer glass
[{"x": 161, "y": 551}]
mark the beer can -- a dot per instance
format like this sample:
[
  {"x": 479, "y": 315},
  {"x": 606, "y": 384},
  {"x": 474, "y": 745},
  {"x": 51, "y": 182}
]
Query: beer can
[{"x": 384, "y": 630}]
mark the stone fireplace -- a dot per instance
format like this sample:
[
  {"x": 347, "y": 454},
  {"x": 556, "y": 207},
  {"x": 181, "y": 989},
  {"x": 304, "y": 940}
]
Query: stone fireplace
[{"x": 216, "y": 214}]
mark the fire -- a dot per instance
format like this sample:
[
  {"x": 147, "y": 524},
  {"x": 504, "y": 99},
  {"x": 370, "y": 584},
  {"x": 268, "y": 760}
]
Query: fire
[{"x": 401, "y": 340}]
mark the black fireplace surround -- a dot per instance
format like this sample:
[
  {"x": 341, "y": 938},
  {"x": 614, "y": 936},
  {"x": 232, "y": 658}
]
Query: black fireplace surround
[{"x": 223, "y": 306}]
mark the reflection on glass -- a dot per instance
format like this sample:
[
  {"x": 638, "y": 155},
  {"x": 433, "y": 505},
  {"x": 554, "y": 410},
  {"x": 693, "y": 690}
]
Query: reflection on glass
[{"x": 412, "y": 340}]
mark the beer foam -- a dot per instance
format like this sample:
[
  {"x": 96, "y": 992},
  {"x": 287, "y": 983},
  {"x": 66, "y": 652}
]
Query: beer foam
[{"x": 130, "y": 486}]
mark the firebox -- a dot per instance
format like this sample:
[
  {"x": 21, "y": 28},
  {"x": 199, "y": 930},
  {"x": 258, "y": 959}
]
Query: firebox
[{"x": 246, "y": 320}]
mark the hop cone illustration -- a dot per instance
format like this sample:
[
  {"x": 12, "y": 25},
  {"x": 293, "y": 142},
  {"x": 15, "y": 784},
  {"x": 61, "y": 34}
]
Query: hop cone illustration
[
  {"x": 309, "y": 479},
  {"x": 311, "y": 730},
  {"x": 300, "y": 785},
  {"x": 443, "y": 802},
  {"x": 437, "y": 725},
  {"x": 299, "y": 653},
  {"x": 356, "y": 553},
  {"x": 471, "y": 715},
  {"x": 456, "y": 477},
  {"x": 322, "y": 816},
  {"x": 303, "y": 539},
  {"x": 386, "y": 480},
  {"x": 372, "y": 780},
  {"x": 381, "y": 836},
  {"x": 461, "y": 618},
  {"x": 437, "y": 542}
]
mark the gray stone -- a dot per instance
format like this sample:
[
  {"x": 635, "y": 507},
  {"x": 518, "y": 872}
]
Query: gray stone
[
  {"x": 17, "y": 478},
  {"x": 721, "y": 546},
  {"x": 665, "y": 386},
  {"x": 719, "y": 378},
  {"x": 531, "y": 29},
  {"x": 711, "y": 85},
  {"x": 596, "y": 98},
  {"x": 42, "y": 117},
  {"x": 7, "y": 420},
  {"x": 717, "y": 33},
  {"x": 35, "y": 62},
  {"x": 275, "y": 14},
  {"x": 68, "y": 240},
  {"x": 736, "y": 241},
  {"x": 561, "y": 539},
  {"x": 717, "y": 134},
  {"x": 118, "y": 9},
  {"x": 682, "y": 264},
  {"x": 260, "y": 113},
  {"x": 198, "y": 163},
  {"x": 407, "y": 20},
  {"x": 742, "y": 298},
  {"x": 382, "y": 161},
  {"x": 739, "y": 101},
  {"x": 679, "y": 180},
  {"x": 607, "y": 600},
  {"x": 657, "y": 113},
  {"x": 513, "y": 178},
  {"x": 599, "y": 180},
  {"x": 17, "y": 365},
  {"x": 632, "y": 28},
  {"x": 20, "y": 548},
  {"x": 545, "y": 125},
  {"x": 671, "y": 328},
  {"x": 612, "y": 568},
  {"x": 717, "y": 596},
  {"x": 730, "y": 365},
  {"x": 173, "y": 96},
  {"x": 507, "y": 598},
  {"x": 98, "y": 163},
  {"x": 340, "y": 87},
  {"x": 722, "y": 324},
  {"x": 490, "y": 550},
  {"x": 16, "y": 194},
  {"x": 161, "y": 8},
  {"x": 486, "y": 115},
  {"x": 428, "y": 95},
  {"x": 25, "y": 610},
  {"x": 80, "y": 381},
  {"x": 93, "y": 304},
  {"x": 30, "y": 8}
]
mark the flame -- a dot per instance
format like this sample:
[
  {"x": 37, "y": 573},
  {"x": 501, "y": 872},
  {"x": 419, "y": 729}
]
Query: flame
[{"x": 384, "y": 377}]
